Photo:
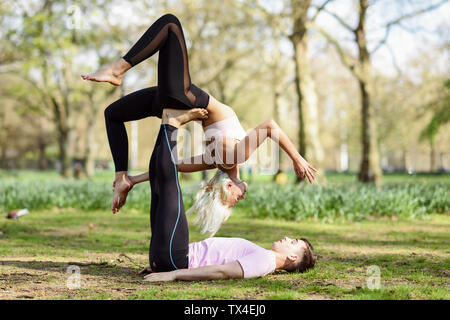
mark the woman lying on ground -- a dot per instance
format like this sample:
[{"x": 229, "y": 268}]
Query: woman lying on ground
[{"x": 225, "y": 258}]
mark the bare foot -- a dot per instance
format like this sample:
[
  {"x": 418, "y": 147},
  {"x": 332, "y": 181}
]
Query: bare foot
[
  {"x": 104, "y": 75},
  {"x": 111, "y": 74},
  {"x": 177, "y": 117},
  {"x": 197, "y": 113},
  {"x": 121, "y": 188}
]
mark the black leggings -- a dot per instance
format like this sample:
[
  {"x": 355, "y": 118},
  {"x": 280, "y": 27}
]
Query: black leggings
[
  {"x": 175, "y": 89},
  {"x": 169, "y": 246}
]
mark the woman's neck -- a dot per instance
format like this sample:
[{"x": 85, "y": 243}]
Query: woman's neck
[{"x": 280, "y": 260}]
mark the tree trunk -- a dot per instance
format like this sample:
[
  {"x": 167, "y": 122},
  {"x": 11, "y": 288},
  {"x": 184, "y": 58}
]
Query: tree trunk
[
  {"x": 276, "y": 117},
  {"x": 42, "y": 162},
  {"x": 315, "y": 152},
  {"x": 64, "y": 159},
  {"x": 3, "y": 157},
  {"x": 405, "y": 160},
  {"x": 90, "y": 146},
  {"x": 301, "y": 123},
  {"x": 309, "y": 144},
  {"x": 433, "y": 162},
  {"x": 370, "y": 169},
  {"x": 42, "y": 141},
  {"x": 442, "y": 164},
  {"x": 3, "y": 139},
  {"x": 64, "y": 145}
]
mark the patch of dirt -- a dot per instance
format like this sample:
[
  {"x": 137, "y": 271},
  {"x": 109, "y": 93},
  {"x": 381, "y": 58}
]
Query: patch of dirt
[{"x": 29, "y": 278}]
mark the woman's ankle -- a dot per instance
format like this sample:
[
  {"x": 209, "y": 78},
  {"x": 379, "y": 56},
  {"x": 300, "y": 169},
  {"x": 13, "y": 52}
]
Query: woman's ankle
[
  {"x": 132, "y": 180},
  {"x": 121, "y": 175},
  {"x": 169, "y": 117},
  {"x": 120, "y": 67}
]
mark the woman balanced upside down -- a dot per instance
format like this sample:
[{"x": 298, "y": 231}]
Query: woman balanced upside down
[{"x": 228, "y": 144}]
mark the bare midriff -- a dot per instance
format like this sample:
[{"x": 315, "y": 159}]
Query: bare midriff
[{"x": 217, "y": 111}]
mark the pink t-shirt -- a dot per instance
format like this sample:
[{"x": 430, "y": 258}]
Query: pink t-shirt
[{"x": 254, "y": 260}]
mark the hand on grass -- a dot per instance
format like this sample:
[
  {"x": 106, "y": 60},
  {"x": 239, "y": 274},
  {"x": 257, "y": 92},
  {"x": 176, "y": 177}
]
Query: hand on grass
[
  {"x": 145, "y": 271},
  {"x": 160, "y": 276}
]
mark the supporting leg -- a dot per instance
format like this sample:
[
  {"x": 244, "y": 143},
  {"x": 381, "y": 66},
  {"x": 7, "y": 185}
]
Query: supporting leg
[{"x": 135, "y": 106}]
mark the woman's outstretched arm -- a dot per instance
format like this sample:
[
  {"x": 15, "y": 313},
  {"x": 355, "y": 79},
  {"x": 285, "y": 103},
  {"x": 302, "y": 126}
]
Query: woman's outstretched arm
[
  {"x": 192, "y": 164},
  {"x": 195, "y": 163},
  {"x": 231, "y": 270},
  {"x": 139, "y": 178},
  {"x": 258, "y": 135}
]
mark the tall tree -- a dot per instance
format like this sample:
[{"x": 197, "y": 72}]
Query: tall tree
[
  {"x": 50, "y": 44},
  {"x": 45, "y": 49},
  {"x": 230, "y": 42},
  {"x": 304, "y": 84},
  {"x": 296, "y": 13},
  {"x": 26, "y": 105},
  {"x": 361, "y": 68}
]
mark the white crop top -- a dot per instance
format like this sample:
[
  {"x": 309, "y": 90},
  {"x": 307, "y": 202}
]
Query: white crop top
[{"x": 229, "y": 128}]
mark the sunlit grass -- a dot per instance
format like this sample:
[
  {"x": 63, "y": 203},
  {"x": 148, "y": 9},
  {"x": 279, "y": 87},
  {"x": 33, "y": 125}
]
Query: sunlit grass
[{"x": 35, "y": 251}]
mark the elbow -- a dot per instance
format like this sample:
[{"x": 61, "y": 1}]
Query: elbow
[
  {"x": 273, "y": 124},
  {"x": 230, "y": 271},
  {"x": 270, "y": 124},
  {"x": 224, "y": 275}
]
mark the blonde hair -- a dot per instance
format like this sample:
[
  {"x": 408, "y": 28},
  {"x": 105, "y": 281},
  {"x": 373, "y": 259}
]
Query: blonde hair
[{"x": 210, "y": 204}]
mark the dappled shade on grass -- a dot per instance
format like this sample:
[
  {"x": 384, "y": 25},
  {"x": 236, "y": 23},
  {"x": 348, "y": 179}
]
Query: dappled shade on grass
[{"x": 35, "y": 251}]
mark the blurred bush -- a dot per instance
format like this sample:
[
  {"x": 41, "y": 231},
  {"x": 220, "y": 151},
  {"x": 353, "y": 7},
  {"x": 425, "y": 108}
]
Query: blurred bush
[{"x": 291, "y": 202}]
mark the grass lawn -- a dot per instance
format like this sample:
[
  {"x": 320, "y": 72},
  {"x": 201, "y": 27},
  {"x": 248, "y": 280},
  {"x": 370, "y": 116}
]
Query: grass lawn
[{"x": 36, "y": 250}]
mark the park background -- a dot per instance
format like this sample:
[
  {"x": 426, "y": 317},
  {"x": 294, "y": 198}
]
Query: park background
[{"x": 361, "y": 87}]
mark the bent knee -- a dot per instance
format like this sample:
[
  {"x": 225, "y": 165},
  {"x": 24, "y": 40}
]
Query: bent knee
[
  {"x": 110, "y": 111},
  {"x": 169, "y": 17}
]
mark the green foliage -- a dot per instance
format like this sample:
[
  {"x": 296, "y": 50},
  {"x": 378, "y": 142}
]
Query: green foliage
[
  {"x": 84, "y": 195},
  {"x": 441, "y": 113},
  {"x": 351, "y": 201}
]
